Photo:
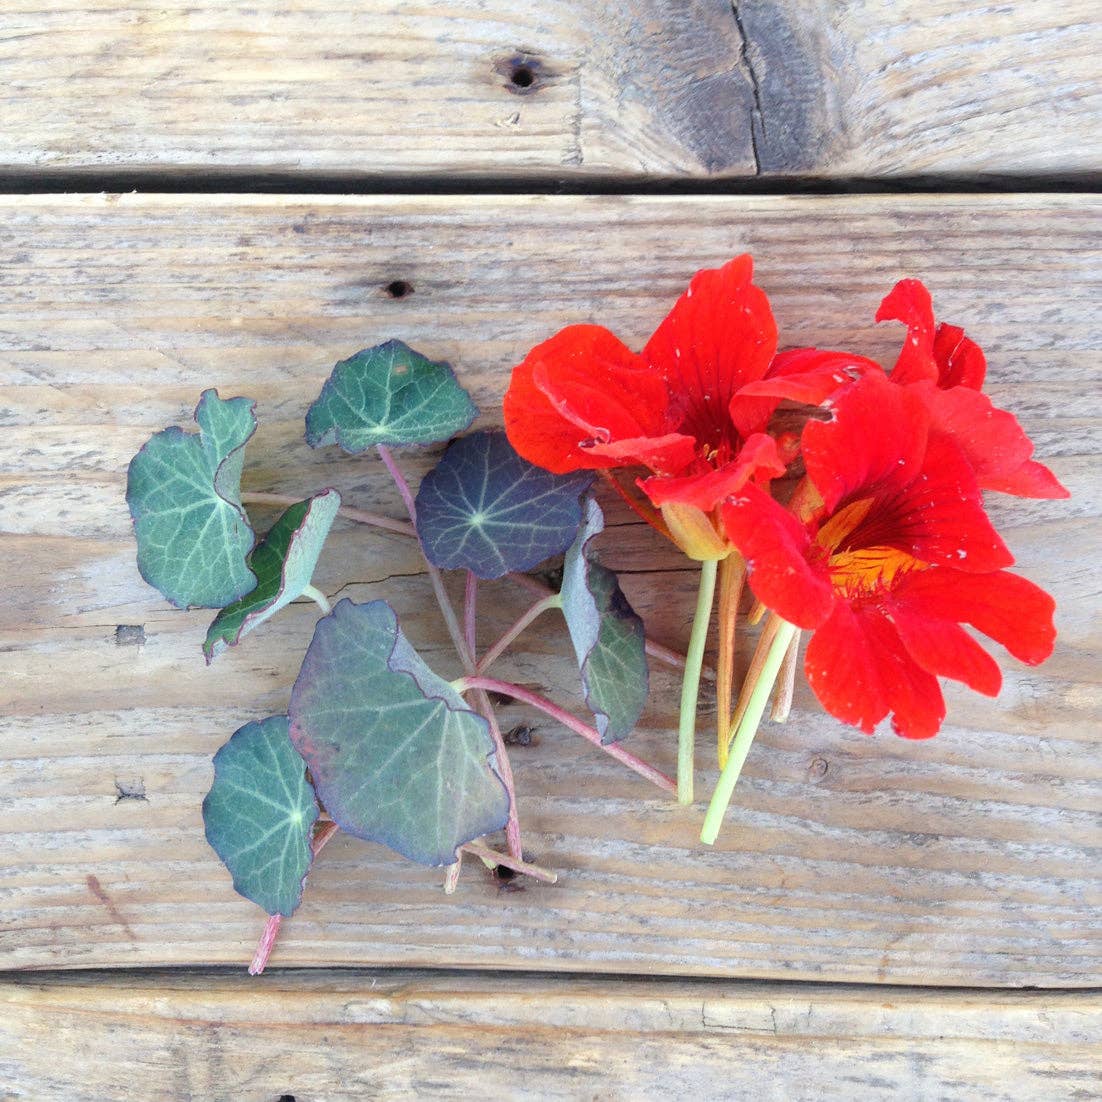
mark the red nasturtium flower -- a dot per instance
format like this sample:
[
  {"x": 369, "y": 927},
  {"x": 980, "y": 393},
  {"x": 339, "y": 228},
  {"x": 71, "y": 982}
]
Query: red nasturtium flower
[
  {"x": 899, "y": 554},
  {"x": 583, "y": 399},
  {"x": 946, "y": 370}
]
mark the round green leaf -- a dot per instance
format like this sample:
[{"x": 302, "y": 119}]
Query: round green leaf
[
  {"x": 484, "y": 509},
  {"x": 284, "y": 563},
  {"x": 260, "y": 814},
  {"x": 184, "y": 493},
  {"x": 388, "y": 394},
  {"x": 608, "y": 635},
  {"x": 395, "y": 754}
]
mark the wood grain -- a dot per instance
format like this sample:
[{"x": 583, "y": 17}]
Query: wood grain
[
  {"x": 329, "y": 1036},
  {"x": 968, "y": 859},
  {"x": 654, "y": 89}
]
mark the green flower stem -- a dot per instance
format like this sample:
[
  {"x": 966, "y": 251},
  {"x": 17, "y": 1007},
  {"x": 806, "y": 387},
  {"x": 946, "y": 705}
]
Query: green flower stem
[
  {"x": 318, "y": 598},
  {"x": 690, "y": 682},
  {"x": 552, "y": 600},
  {"x": 747, "y": 728}
]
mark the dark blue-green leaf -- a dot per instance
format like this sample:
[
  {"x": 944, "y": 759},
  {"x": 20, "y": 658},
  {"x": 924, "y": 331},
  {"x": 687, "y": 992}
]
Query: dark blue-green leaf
[
  {"x": 388, "y": 394},
  {"x": 484, "y": 509},
  {"x": 608, "y": 636},
  {"x": 184, "y": 493},
  {"x": 260, "y": 814},
  {"x": 396, "y": 755}
]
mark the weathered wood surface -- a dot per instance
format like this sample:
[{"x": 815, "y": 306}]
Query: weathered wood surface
[
  {"x": 663, "y": 88},
  {"x": 968, "y": 859},
  {"x": 328, "y": 1036}
]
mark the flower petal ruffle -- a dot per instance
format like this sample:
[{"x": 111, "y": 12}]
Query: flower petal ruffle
[
  {"x": 582, "y": 387},
  {"x": 719, "y": 336}
]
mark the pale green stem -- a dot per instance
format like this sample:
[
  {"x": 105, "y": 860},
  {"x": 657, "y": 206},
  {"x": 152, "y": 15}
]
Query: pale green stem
[
  {"x": 690, "y": 682},
  {"x": 318, "y": 598},
  {"x": 552, "y": 600},
  {"x": 747, "y": 728}
]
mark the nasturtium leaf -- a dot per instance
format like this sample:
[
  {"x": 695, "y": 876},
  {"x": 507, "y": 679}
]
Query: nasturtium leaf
[
  {"x": 608, "y": 635},
  {"x": 395, "y": 754},
  {"x": 388, "y": 394},
  {"x": 484, "y": 509},
  {"x": 284, "y": 563},
  {"x": 260, "y": 814},
  {"x": 184, "y": 493}
]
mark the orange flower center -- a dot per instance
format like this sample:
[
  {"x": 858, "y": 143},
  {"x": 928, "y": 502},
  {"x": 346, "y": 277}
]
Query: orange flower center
[{"x": 861, "y": 560}]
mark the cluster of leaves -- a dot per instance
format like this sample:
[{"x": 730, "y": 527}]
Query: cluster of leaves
[{"x": 387, "y": 749}]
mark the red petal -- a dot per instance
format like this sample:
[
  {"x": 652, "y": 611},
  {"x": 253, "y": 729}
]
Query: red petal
[
  {"x": 809, "y": 375},
  {"x": 909, "y": 302},
  {"x": 719, "y": 336},
  {"x": 667, "y": 454},
  {"x": 994, "y": 443},
  {"x": 775, "y": 545},
  {"x": 581, "y": 385},
  {"x": 759, "y": 456},
  {"x": 960, "y": 361},
  {"x": 1031, "y": 479},
  {"x": 877, "y": 438},
  {"x": 1004, "y": 606},
  {"x": 945, "y": 649},
  {"x": 859, "y": 669},
  {"x": 940, "y": 515}
]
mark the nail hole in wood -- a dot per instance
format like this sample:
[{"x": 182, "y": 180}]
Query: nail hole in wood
[
  {"x": 524, "y": 73},
  {"x": 399, "y": 288}
]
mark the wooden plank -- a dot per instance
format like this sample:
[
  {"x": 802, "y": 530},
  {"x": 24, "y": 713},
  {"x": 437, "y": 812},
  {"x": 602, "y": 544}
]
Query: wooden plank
[
  {"x": 970, "y": 858},
  {"x": 345, "y": 1035},
  {"x": 696, "y": 88}
]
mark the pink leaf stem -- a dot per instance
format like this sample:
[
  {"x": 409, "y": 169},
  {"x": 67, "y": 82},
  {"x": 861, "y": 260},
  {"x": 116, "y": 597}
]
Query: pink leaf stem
[
  {"x": 466, "y": 657},
  {"x": 357, "y": 515},
  {"x": 322, "y": 833},
  {"x": 590, "y": 734},
  {"x": 470, "y": 608}
]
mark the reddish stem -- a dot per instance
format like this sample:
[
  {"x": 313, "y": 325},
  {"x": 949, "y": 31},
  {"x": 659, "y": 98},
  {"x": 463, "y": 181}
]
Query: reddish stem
[
  {"x": 466, "y": 657},
  {"x": 590, "y": 734},
  {"x": 552, "y": 600},
  {"x": 358, "y": 515},
  {"x": 470, "y": 607},
  {"x": 324, "y": 830},
  {"x": 663, "y": 654},
  {"x": 666, "y": 655}
]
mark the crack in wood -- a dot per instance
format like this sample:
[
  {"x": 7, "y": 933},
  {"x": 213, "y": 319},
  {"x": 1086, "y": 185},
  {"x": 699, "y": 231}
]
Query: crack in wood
[{"x": 757, "y": 116}]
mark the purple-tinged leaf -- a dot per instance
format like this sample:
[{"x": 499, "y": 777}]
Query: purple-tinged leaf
[
  {"x": 260, "y": 814},
  {"x": 484, "y": 509},
  {"x": 396, "y": 755},
  {"x": 608, "y": 635}
]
